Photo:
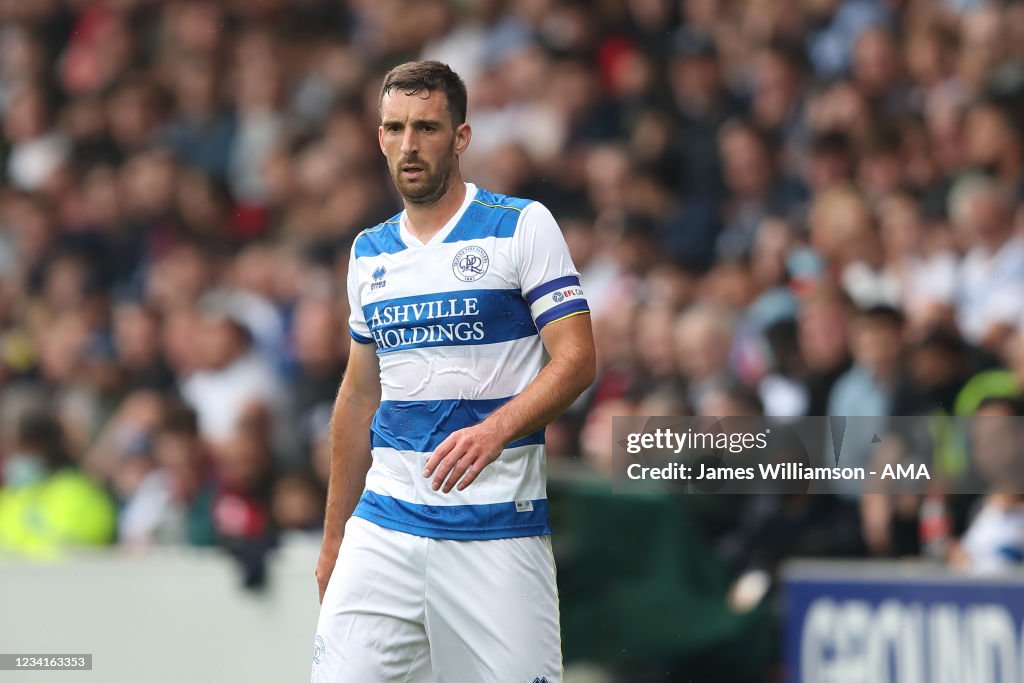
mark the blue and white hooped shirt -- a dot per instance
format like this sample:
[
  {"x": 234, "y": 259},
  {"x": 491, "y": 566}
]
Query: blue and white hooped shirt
[{"x": 456, "y": 322}]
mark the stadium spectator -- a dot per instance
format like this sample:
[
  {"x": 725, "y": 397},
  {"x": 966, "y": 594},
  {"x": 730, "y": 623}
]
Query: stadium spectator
[
  {"x": 702, "y": 338},
  {"x": 320, "y": 358},
  {"x": 231, "y": 378},
  {"x": 47, "y": 505},
  {"x": 990, "y": 281},
  {"x": 824, "y": 346},
  {"x": 868, "y": 388},
  {"x": 994, "y": 540}
]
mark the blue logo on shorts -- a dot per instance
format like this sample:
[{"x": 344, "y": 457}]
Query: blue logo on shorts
[
  {"x": 318, "y": 649},
  {"x": 542, "y": 679}
]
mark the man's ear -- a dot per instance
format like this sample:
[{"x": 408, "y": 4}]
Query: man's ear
[
  {"x": 463, "y": 134},
  {"x": 380, "y": 138}
]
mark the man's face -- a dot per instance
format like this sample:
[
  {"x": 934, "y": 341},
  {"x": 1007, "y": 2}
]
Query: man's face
[
  {"x": 995, "y": 440},
  {"x": 877, "y": 345},
  {"x": 823, "y": 337},
  {"x": 421, "y": 145}
]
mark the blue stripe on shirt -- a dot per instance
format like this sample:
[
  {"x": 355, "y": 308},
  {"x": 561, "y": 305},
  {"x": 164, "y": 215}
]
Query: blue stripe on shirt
[
  {"x": 488, "y": 215},
  {"x": 455, "y": 522},
  {"x": 382, "y": 239},
  {"x": 459, "y": 318},
  {"x": 421, "y": 426}
]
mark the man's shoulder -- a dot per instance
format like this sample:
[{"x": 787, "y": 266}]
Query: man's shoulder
[
  {"x": 490, "y": 215},
  {"x": 497, "y": 201},
  {"x": 382, "y": 238}
]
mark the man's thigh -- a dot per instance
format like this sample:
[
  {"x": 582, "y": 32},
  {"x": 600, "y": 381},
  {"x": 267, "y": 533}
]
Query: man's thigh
[
  {"x": 371, "y": 628},
  {"x": 492, "y": 611}
]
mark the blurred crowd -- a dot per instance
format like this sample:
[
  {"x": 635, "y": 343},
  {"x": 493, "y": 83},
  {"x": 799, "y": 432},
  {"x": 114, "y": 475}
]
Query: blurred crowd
[{"x": 779, "y": 207}]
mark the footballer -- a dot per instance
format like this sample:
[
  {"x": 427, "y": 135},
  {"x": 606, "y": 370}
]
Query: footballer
[{"x": 470, "y": 333}]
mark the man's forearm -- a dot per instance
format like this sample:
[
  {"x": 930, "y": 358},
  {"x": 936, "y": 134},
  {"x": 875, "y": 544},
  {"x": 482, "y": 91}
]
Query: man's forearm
[
  {"x": 350, "y": 461},
  {"x": 553, "y": 390}
]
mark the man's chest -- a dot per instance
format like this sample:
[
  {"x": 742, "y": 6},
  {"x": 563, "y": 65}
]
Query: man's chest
[
  {"x": 443, "y": 295},
  {"x": 437, "y": 270}
]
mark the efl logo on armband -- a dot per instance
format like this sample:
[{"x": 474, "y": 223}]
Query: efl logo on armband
[{"x": 564, "y": 294}]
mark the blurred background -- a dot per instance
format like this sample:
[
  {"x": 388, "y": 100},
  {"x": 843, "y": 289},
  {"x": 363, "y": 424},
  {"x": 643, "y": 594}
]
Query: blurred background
[{"x": 778, "y": 207}]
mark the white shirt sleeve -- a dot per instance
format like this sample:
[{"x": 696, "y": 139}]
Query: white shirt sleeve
[
  {"x": 357, "y": 327},
  {"x": 548, "y": 279}
]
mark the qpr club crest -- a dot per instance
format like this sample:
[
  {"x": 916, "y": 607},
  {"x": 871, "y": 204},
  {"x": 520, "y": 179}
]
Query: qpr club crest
[{"x": 470, "y": 264}]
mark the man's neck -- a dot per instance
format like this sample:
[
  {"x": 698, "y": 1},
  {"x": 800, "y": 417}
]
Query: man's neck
[{"x": 424, "y": 221}]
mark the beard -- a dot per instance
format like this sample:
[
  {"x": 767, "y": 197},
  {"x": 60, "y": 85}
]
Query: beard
[{"x": 432, "y": 183}]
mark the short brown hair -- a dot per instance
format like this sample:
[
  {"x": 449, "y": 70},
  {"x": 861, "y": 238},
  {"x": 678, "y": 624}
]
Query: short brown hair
[{"x": 429, "y": 75}]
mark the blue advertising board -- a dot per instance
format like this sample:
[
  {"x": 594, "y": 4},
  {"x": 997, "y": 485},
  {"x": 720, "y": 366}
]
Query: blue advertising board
[{"x": 901, "y": 623}]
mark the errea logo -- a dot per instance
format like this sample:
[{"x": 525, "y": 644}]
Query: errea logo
[{"x": 378, "y": 278}]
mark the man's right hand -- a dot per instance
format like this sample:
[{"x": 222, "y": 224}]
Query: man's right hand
[{"x": 324, "y": 567}]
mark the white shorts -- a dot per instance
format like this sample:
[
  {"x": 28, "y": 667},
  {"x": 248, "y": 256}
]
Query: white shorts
[{"x": 408, "y": 609}]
